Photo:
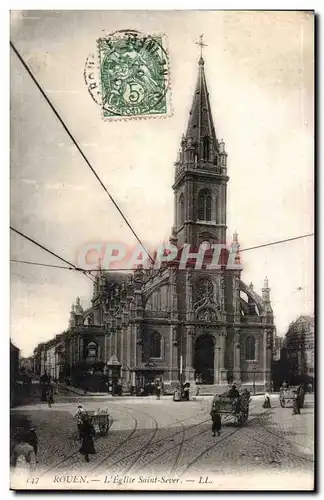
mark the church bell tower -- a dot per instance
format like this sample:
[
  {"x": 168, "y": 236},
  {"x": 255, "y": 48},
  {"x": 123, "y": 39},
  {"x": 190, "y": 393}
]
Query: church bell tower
[{"x": 201, "y": 175}]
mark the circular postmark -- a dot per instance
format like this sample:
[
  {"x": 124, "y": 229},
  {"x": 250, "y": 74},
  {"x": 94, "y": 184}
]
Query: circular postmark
[{"x": 129, "y": 76}]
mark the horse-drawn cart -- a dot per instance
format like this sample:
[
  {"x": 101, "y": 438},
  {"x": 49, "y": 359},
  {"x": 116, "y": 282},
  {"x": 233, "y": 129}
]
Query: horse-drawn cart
[
  {"x": 287, "y": 396},
  {"x": 228, "y": 408},
  {"x": 101, "y": 422}
]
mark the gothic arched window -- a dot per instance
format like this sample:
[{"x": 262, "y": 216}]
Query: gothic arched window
[
  {"x": 250, "y": 348},
  {"x": 206, "y": 148},
  {"x": 204, "y": 205},
  {"x": 181, "y": 209},
  {"x": 155, "y": 345}
]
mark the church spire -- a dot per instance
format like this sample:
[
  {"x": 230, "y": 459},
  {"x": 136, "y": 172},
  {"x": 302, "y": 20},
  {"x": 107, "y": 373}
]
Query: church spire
[
  {"x": 200, "y": 200},
  {"x": 200, "y": 130}
]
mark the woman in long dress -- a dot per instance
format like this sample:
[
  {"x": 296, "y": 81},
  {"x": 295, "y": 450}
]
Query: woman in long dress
[
  {"x": 266, "y": 403},
  {"x": 87, "y": 433}
]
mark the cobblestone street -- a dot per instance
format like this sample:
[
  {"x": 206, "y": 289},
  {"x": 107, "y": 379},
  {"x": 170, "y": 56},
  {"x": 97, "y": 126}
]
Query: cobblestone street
[{"x": 149, "y": 436}]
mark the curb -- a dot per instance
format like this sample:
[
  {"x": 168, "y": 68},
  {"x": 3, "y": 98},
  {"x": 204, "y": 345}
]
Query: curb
[{"x": 79, "y": 392}]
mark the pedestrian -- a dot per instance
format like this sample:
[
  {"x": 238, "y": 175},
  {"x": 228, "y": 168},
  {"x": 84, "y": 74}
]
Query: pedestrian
[
  {"x": 88, "y": 432},
  {"x": 50, "y": 397},
  {"x": 79, "y": 416},
  {"x": 33, "y": 441},
  {"x": 233, "y": 393},
  {"x": 186, "y": 391},
  {"x": 296, "y": 404},
  {"x": 177, "y": 393},
  {"x": 158, "y": 390},
  {"x": 267, "y": 402},
  {"x": 23, "y": 454},
  {"x": 217, "y": 422}
]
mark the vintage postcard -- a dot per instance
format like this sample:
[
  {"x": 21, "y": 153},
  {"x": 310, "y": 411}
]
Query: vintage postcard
[{"x": 162, "y": 232}]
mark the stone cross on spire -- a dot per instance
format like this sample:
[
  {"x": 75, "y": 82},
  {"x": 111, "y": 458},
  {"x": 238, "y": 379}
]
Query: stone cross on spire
[{"x": 202, "y": 44}]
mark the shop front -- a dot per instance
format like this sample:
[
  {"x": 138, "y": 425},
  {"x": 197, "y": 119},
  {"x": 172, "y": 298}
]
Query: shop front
[
  {"x": 113, "y": 374},
  {"x": 145, "y": 378}
]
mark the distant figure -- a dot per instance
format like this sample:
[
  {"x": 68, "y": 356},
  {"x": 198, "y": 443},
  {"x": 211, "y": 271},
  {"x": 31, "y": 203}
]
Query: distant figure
[
  {"x": 284, "y": 385},
  {"x": 186, "y": 391},
  {"x": 177, "y": 393},
  {"x": 296, "y": 404},
  {"x": 50, "y": 396},
  {"x": 79, "y": 416},
  {"x": 233, "y": 393},
  {"x": 23, "y": 455},
  {"x": 266, "y": 402},
  {"x": 217, "y": 422},
  {"x": 158, "y": 390},
  {"x": 33, "y": 441},
  {"x": 88, "y": 432}
]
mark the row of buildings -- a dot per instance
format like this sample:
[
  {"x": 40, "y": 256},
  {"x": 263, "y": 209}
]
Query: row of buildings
[
  {"x": 294, "y": 359},
  {"x": 14, "y": 371},
  {"x": 293, "y": 356}
]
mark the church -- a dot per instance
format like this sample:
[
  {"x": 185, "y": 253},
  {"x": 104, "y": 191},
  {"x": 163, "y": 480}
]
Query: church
[{"x": 181, "y": 324}]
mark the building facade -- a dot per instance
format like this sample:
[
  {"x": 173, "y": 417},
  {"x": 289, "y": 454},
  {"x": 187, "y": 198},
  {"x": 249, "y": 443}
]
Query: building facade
[
  {"x": 174, "y": 323},
  {"x": 298, "y": 352},
  {"x": 14, "y": 371}
]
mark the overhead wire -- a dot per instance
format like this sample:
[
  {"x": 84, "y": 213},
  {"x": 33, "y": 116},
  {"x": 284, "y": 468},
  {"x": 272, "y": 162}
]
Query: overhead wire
[
  {"x": 131, "y": 269},
  {"x": 52, "y": 253},
  {"x": 277, "y": 242},
  {"x": 67, "y": 130},
  {"x": 42, "y": 264}
]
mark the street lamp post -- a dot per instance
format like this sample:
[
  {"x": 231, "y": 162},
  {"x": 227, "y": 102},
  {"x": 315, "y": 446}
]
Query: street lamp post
[
  {"x": 254, "y": 368},
  {"x": 180, "y": 351}
]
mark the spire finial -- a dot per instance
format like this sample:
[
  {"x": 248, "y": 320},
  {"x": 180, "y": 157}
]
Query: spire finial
[{"x": 201, "y": 44}]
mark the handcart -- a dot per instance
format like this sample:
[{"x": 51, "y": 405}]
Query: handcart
[
  {"x": 100, "y": 421},
  {"x": 228, "y": 408},
  {"x": 287, "y": 396}
]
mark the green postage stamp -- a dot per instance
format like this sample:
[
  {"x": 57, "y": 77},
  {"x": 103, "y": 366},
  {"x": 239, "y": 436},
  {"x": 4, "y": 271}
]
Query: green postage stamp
[{"x": 129, "y": 78}]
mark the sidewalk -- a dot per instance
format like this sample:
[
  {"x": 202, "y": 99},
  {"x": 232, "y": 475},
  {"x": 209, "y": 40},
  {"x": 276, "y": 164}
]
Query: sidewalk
[
  {"x": 201, "y": 397},
  {"x": 81, "y": 392}
]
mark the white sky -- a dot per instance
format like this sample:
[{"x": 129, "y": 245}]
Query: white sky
[{"x": 259, "y": 70}]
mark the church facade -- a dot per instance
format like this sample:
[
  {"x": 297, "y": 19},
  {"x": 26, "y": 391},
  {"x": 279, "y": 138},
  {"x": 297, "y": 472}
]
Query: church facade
[{"x": 173, "y": 323}]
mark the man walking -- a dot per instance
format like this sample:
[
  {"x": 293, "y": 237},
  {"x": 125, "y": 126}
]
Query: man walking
[
  {"x": 158, "y": 389},
  {"x": 296, "y": 404},
  {"x": 217, "y": 423},
  {"x": 33, "y": 441},
  {"x": 79, "y": 416}
]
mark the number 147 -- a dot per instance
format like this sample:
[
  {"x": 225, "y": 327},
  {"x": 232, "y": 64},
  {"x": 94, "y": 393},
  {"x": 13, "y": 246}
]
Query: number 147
[{"x": 32, "y": 480}]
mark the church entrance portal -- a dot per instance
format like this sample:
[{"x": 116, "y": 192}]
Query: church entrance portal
[{"x": 204, "y": 359}]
